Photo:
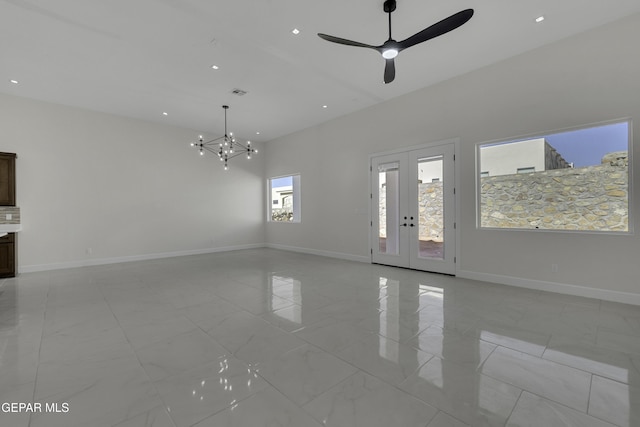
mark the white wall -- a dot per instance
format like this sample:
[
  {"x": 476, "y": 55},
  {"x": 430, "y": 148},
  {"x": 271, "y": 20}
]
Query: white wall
[
  {"x": 585, "y": 79},
  {"x": 125, "y": 188}
]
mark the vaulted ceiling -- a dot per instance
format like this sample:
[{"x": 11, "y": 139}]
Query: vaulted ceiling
[{"x": 143, "y": 58}]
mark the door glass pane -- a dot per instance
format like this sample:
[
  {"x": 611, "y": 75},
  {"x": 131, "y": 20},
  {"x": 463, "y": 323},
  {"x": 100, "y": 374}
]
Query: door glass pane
[
  {"x": 430, "y": 207},
  {"x": 388, "y": 208}
]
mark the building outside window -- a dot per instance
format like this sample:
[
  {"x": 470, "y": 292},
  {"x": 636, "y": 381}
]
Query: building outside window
[{"x": 284, "y": 196}]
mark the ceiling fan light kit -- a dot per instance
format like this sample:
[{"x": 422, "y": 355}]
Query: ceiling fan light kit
[{"x": 391, "y": 48}]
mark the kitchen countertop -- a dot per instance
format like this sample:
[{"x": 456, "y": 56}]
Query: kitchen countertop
[{"x": 10, "y": 228}]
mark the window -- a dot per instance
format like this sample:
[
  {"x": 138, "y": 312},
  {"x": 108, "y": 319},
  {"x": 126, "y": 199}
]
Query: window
[
  {"x": 526, "y": 170},
  {"x": 574, "y": 180},
  {"x": 284, "y": 196}
]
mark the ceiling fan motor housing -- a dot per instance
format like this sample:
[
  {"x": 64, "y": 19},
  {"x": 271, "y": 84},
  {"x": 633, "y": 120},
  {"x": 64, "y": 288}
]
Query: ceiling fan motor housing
[{"x": 389, "y": 6}]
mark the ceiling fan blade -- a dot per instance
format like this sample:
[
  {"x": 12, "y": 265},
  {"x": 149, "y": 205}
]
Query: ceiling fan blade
[
  {"x": 389, "y": 70},
  {"x": 344, "y": 41},
  {"x": 438, "y": 29}
]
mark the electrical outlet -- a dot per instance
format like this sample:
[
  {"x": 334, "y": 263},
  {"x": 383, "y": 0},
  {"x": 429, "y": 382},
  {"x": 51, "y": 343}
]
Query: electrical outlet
[
  {"x": 9, "y": 217},
  {"x": 554, "y": 268}
]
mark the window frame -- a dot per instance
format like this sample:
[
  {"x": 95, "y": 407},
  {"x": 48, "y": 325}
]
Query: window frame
[
  {"x": 296, "y": 203},
  {"x": 630, "y": 193}
]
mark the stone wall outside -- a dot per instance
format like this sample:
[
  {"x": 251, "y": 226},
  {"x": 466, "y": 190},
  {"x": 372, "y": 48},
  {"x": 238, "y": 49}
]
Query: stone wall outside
[
  {"x": 589, "y": 198},
  {"x": 430, "y": 206},
  {"x": 282, "y": 215},
  {"x": 430, "y": 210}
]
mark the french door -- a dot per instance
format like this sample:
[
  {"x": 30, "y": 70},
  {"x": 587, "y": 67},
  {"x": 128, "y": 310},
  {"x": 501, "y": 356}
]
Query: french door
[{"x": 413, "y": 209}]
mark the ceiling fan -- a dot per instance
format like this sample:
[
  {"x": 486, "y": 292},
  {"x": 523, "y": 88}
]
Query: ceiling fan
[{"x": 391, "y": 48}]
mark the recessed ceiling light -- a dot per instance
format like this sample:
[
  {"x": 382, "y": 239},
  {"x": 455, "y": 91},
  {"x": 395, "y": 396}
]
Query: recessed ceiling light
[
  {"x": 324, "y": 106},
  {"x": 540, "y": 19},
  {"x": 295, "y": 31},
  {"x": 164, "y": 113},
  {"x": 15, "y": 82},
  {"x": 215, "y": 67},
  {"x": 257, "y": 133}
]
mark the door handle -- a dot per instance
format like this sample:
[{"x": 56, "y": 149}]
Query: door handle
[
  {"x": 411, "y": 225},
  {"x": 403, "y": 225}
]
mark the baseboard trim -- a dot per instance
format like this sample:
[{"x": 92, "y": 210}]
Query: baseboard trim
[
  {"x": 329, "y": 254},
  {"x": 132, "y": 258},
  {"x": 559, "y": 288}
]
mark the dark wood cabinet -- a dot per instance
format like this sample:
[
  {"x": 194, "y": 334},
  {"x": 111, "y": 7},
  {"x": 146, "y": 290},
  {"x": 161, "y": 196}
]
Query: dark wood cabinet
[
  {"x": 8, "y": 255},
  {"x": 8, "y": 198},
  {"x": 7, "y": 179}
]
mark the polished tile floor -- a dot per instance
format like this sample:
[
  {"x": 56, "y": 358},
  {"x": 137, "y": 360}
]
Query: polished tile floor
[{"x": 272, "y": 338}]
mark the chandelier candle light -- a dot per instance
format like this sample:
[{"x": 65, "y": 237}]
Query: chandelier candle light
[{"x": 225, "y": 147}]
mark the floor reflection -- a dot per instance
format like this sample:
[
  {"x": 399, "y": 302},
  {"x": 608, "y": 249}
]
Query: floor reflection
[
  {"x": 240, "y": 338},
  {"x": 479, "y": 365},
  {"x": 289, "y": 289}
]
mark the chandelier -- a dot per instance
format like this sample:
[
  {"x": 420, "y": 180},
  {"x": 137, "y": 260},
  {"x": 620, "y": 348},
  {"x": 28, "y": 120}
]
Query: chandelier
[{"x": 225, "y": 147}]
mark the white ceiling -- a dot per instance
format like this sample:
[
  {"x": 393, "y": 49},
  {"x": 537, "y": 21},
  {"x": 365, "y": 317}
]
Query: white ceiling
[{"x": 140, "y": 58}]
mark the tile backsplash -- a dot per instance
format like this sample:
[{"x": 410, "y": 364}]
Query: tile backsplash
[{"x": 13, "y": 211}]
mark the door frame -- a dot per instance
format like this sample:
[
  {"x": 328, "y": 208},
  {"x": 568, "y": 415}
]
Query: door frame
[{"x": 373, "y": 210}]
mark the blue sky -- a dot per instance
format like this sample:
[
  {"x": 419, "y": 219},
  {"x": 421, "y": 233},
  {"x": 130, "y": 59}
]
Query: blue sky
[
  {"x": 282, "y": 182},
  {"x": 586, "y": 147}
]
